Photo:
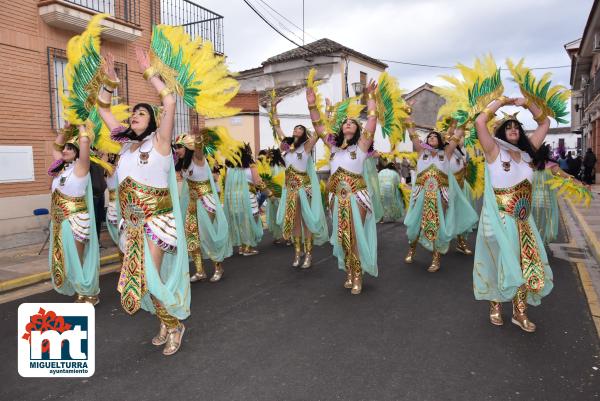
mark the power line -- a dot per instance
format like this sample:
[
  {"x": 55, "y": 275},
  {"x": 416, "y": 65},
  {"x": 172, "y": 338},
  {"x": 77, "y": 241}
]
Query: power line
[
  {"x": 274, "y": 18},
  {"x": 383, "y": 60},
  {"x": 284, "y": 17},
  {"x": 275, "y": 29}
]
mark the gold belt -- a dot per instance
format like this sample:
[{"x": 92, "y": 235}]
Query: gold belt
[
  {"x": 432, "y": 172},
  {"x": 142, "y": 201},
  {"x": 295, "y": 179},
  {"x": 112, "y": 195},
  {"x": 199, "y": 188},
  {"x": 516, "y": 200},
  {"x": 343, "y": 183},
  {"x": 63, "y": 206}
]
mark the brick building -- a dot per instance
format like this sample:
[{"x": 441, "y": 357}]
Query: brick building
[{"x": 33, "y": 39}]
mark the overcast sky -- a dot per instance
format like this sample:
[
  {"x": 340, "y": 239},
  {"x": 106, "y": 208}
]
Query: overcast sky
[{"x": 425, "y": 31}]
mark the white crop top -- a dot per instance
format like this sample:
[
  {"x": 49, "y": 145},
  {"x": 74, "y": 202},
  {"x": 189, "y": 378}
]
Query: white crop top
[
  {"x": 351, "y": 159},
  {"x": 428, "y": 158},
  {"x": 298, "y": 159},
  {"x": 506, "y": 172},
  {"x": 196, "y": 172},
  {"x": 145, "y": 165},
  {"x": 457, "y": 162},
  {"x": 68, "y": 183}
]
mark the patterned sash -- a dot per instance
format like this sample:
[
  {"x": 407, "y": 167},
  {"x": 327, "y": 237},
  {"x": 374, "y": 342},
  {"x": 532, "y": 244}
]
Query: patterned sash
[
  {"x": 62, "y": 207},
  {"x": 432, "y": 180},
  {"x": 516, "y": 203},
  {"x": 139, "y": 203},
  {"x": 197, "y": 189},
  {"x": 294, "y": 180}
]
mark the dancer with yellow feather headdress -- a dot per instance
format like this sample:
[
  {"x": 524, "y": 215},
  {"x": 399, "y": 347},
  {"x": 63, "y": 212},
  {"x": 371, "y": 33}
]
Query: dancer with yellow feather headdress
[
  {"x": 206, "y": 227},
  {"x": 300, "y": 214},
  {"x": 155, "y": 271},
  {"x": 510, "y": 260},
  {"x": 74, "y": 250}
]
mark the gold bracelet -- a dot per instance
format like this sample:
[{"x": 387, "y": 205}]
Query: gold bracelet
[
  {"x": 370, "y": 96},
  {"x": 540, "y": 118},
  {"x": 410, "y": 125},
  {"x": 329, "y": 109},
  {"x": 87, "y": 135},
  {"x": 372, "y": 113},
  {"x": 502, "y": 99},
  {"x": 527, "y": 103},
  {"x": 58, "y": 146},
  {"x": 312, "y": 107},
  {"x": 322, "y": 135},
  {"x": 166, "y": 91},
  {"x": 413, "y": 136},
  {"x": 150, "y": 72},
  {"x": 317, "y": 122},
  {"x": 367, "y": 134},
  {"x": 453, "y": 138},
  {"x": 275, "y": 122},
  {"x": 110, "y": 83},
  {"x": 489, "y": 113},
  {"x": 101, "y": 103}
]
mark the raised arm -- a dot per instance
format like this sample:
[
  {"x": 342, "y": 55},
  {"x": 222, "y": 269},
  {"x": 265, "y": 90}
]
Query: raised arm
[
  {"x": 456, "y": 136},
  {"x": 315, "y": 115},
  {"x": 104, "y": 100},
  {"x": 276, "y": 122},
  {"x": 59, "y": 143},
  {"x": 538, "y": 136},
  {"x": 490, "y": 148},
  {"x": 82, "y": 165},
  {"x": 414, "y": 137},
  {"x": 368, "y": 133},
  {"x": 167, "y": 118}
]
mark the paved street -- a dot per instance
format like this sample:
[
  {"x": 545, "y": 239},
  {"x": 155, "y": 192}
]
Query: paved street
[{"x": 270, "y": 332}]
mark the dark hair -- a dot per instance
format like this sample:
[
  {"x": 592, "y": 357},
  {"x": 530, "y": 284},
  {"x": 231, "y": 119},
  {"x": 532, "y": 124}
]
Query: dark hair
[
  {"x": 60, "y": 166},
  {"x": 339, "y": 137},
  {"x": 132, "y": 136},
  {"x": 542, "y": 156},
  {"x": 441, "y": 143},
  {"x": 185, "y": 161},
  {"x": 246, "y": 157},
  {"x": 523, "y": 142},
  {"x": 297, "y": 142},
  {"x": 274, "y": 157},
  {"x": 74, "y": 148}
]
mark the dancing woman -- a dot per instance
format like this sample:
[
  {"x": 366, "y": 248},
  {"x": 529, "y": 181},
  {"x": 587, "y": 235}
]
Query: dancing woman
[
  {"x": 155, "y": 272},
  {"x": 300, "y": 214},
  {"x": 206, "y": 228},
  {"x": 391, "y": 195},
  {"x": 510, "y": 260},
  {"x": 74, "y": 254},
  {"x": 354, "y": 237},
  {"x": 432, "y": 219}
]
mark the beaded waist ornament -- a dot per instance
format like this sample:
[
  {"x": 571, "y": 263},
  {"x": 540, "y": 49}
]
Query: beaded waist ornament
[
  {"x": 433, "y": 181},
  {"x": 294, "y": 180}
]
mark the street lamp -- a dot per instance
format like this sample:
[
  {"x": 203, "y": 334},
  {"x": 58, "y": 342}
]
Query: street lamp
[{"x": 358, "y": 87}]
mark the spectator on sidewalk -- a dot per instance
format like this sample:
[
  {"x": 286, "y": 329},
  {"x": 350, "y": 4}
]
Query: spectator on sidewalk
[
  {"x": 589, "y": 162},
  {"x": 563, "y": 162},
  {"x": 572, "y": 164}
]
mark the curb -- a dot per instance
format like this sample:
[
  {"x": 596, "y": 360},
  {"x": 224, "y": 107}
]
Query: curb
[
  {"x": 107, "y": 261},
  {"x": 589, "y": 235},
  {"x": 586, "y": 282}
]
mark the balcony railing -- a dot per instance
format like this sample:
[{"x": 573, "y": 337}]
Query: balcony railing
[
  {"x": 197, "y": 21},
  {"x": 122, "y": 10}
]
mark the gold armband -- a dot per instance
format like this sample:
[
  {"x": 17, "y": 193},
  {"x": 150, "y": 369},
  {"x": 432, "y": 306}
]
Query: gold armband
[
  {"x": 317, "y": 122},
  {"x": 368, "y": 134},
  {"x": 110, "y": 83},
  {"x": 540, "y": 118},
  {"x": 413, "y": 136},
  {"x": 312, "y": 107},
  {"x": 527, "y": 103},
  {"x": 410, "y": 125},
  {"x": 502, "y": 99},
  {"x": 275, "y": 122},
  {"x": 88, "y": 135},
  {"x": 372, "y": 113},
  {"x": 101, "y": 103},
  {"x": 453, "y": 138},
  {"x": 150, "y": 72},
  {"x": 329, "y": 109},
  {"x": 489, "y": 113},
  {"x": 58, "y": 146},
  {"x": 370, "y": 96},
  {"x": 166, "y": 91}
]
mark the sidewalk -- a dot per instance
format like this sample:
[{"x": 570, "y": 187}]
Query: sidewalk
[
  {"x": 20, "y": 264},
  {"x": 586, "y": 226}
]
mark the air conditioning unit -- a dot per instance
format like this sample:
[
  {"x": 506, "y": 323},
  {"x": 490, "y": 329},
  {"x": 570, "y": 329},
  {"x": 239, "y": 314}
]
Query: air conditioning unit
[{"x": 596, "y": 48}]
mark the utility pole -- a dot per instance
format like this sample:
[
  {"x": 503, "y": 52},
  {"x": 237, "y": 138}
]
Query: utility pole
[{"x": 302, "y": 22}]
